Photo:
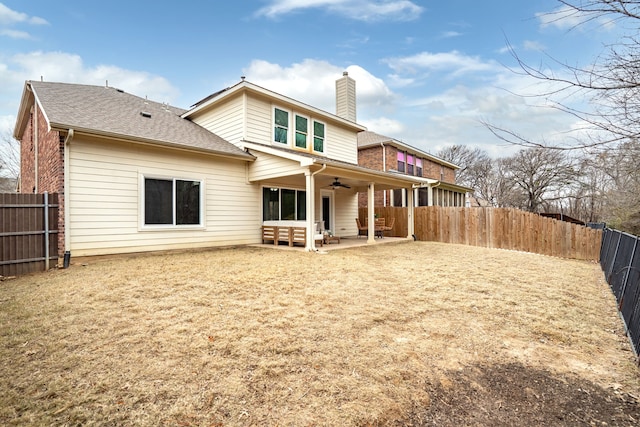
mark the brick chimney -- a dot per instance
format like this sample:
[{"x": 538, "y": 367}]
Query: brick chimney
[{"x": 346, "y": 97}]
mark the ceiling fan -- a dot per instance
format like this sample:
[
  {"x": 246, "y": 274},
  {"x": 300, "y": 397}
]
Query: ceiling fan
[{"x": 337, "y": 184}]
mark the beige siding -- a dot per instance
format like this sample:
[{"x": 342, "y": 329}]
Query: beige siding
[
  {"x": 258, "y": 120},
  {"x": 267, "y": 166},
  {"x": 340, "y": 143},
  {"x": 225, "y": 120},
  {"x": 346, "y": 208},
  {"x": 105, "y": 200}
]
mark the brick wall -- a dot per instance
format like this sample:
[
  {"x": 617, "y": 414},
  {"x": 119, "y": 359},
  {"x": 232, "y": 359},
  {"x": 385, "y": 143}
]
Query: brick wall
[{"x": 50, "y": 165}]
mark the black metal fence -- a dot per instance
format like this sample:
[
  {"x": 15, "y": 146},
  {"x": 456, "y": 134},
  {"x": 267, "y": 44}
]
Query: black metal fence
[{"x": 620, "y": 262}]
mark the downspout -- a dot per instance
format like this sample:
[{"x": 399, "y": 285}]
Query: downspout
[
  {"x": 384, "y": 169},
  {"x": 311, "y": 209},
  {"x": 67, "y": 219},
  {"x": 35, "y": 144}
]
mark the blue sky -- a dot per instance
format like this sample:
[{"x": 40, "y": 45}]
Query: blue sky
[{"x": 427, "y": 72}]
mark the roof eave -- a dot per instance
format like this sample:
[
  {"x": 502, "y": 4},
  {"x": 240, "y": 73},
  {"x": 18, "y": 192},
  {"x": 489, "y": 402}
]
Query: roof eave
[
  {"x": 392, "y": 141},
  {"x": 24, "y": 109},
  {"x": 93, "y": 132},
  {"x": 245, "y": 85}
]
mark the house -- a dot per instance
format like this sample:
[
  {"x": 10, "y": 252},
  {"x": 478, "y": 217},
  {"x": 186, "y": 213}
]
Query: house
[
  {"x": 136, "y": 175},
  {"x": 437, "y": 176}
]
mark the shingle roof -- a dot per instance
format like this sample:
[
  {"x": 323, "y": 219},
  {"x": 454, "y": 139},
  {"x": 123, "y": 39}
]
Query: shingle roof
[{"x": 110, "y": 111}]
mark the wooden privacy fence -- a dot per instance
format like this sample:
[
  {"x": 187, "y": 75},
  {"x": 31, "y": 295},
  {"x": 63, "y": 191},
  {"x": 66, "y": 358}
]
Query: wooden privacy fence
[
  {"x": 28, "y": 232},
  {"x": 497, "y": 228}
]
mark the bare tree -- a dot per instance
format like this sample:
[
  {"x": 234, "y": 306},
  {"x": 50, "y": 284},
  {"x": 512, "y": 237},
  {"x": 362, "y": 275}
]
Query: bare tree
[
  {"x": 9, "y": 156},
  {"x": 540, "y": 176},
  {"x": 474, "y": 163},
  {"x": 611, "y": 82}
]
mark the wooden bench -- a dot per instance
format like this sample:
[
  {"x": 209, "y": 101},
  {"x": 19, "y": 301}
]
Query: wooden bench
[{"x": 290, "y": 235}]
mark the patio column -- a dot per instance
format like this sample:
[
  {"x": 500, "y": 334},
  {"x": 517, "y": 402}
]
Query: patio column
[
  {"x": 410, "y": 212},
  {"x": 371, "y": 232},
  {"x": 430, "y": 195},
  {"x": 310, "y": 245}
]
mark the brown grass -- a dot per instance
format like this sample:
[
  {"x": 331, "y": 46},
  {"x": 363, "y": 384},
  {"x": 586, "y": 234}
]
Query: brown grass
[{"x": 254, "y": 336}]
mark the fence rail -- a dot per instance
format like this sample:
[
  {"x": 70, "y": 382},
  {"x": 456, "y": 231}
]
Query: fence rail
[
  {"x": 620, "y": 262},
  {"x": 28, "y": 232},
  {"x": 497, "y": 228}
]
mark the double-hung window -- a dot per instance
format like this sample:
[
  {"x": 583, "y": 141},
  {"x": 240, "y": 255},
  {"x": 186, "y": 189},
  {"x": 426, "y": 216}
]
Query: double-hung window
[
  {"x": 419, "y": 167},
  {"x": 172, "y": 202},
  {"x": 401, "y": 161},
  {"x": 318, "y": 137},
  {"x": 302, "y": 130},
  {"x": 410, "y": 160},
  {"x": 281, "y": 126}
]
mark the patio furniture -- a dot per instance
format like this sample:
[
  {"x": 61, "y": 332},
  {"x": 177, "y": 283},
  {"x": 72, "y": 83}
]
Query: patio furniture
[
  {"x": 389, "y": 226},
  {"x": 362, "y": 230},
  {"x": 378, "y": 227},
  {"x": 328, "y": 238}
]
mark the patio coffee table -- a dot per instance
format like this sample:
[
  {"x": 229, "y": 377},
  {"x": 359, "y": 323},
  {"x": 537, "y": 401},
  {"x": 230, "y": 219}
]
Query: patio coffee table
[{"x": 329, "y": 239}]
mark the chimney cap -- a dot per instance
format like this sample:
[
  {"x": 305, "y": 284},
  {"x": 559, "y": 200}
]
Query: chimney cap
[{"x": 345, "y": 73}]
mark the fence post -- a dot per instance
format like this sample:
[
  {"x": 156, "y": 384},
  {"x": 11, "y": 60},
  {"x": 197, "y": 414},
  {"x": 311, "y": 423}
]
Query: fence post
[
  {"x": 626, "y": 274},
  {"x": 615, "y": 254},
  {"x": 46, "y": 230}
]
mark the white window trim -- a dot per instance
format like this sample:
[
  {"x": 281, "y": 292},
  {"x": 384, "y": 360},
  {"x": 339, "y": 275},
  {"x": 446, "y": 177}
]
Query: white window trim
[
  {"x": 313, "y": 136},
  {"x": 295, "y": 132},
  {"x": 273, "y": 127},
  {"x": 296, "y": 189},
  {"x": 155, "y": 227}
]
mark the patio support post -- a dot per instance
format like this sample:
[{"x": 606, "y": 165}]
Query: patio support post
[
  {"x": 430, "y": 195},
  {"x": 410, "y": 212},
  {"x": 310, "y": 245},
  {"x": 371, "y": 232}
]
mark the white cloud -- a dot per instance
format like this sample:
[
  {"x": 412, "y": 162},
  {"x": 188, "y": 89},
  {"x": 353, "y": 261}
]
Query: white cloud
[
  {"x": 313, "y": 82},
  {"x": 385, "y": 126},
  {"x": 533, "y": 45},
  {"x": 453, "y": 61},
  {"x": 450, "y": 34},
  {"x": 361, "y": 10},
  {"x": 568, "y": 18},
  {"x": 9, "y": 16},
  {"x": 15, "y": 34},
  {"x": 69, "y": 68}
]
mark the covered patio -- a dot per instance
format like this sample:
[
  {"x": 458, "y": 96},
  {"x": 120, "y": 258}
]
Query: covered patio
[{"x": 300, "y": 190}]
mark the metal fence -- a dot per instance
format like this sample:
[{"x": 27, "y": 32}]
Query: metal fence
[
  {"x": 620, "y": 262},
  {"x": 28, "y": 232}
]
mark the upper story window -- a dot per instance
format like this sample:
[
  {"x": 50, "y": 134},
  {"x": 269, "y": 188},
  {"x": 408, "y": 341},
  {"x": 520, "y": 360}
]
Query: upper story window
[
  {"x": 298, "y": 131},
  {"x": 410, "y": 164},
  {"x": 401, "y": 162},
  {"x": 281, "y": 126},
  {"x": 302, "y": 130},
  {"x": 318, "y": 137},
  {"x": 419, "y": 168}
]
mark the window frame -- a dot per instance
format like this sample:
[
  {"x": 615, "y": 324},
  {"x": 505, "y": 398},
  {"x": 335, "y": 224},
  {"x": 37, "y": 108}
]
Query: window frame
[
  {"x": 401, "y": 162},
  {"x": 323, "y": 137},
  {"x": 143, "y": 226},
  {"x": 275, "y": 126},
  {"x": 419, "y": 166},
  {"x": 298, "y": 207},
  {"x": 296, "y": 132}
]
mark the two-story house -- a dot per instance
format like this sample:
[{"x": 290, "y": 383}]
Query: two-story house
[
  {"x": 438, "y": 176},
  {"x": 136, "y": 175}
]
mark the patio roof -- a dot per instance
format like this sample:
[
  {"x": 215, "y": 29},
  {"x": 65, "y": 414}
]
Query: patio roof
[{"x": 356, "y": 177}]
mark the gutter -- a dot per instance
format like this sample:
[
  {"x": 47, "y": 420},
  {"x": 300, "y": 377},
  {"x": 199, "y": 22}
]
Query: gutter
[{"x": 67, "y": 209}]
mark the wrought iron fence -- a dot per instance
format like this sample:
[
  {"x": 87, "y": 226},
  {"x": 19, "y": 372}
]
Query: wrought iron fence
[{"x": 620, "y": 262}]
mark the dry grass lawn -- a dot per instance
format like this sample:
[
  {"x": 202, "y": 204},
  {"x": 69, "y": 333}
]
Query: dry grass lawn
[{"x": 397, "y": 334}]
